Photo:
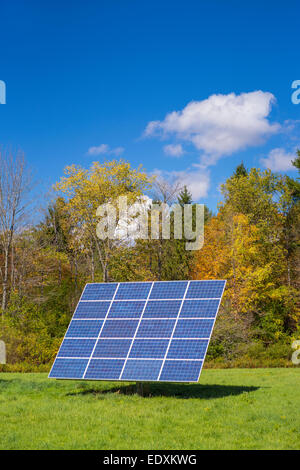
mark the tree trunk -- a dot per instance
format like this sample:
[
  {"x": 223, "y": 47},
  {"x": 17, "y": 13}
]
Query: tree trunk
[
  {"x": 12, "y": 270},
  {"x": 60, "y": 271},
  {"x": 104, "y": 263},
  {"x": 76, "y": 271},
  {"x": 92, "y": 265},
  {"x": 159, "y": 259},
  {"x": 105, "y": 273},
  {"x": 5, "y": 281}
]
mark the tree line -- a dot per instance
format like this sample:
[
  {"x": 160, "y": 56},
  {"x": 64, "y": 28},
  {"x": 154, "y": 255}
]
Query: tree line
[{"x": 252, "y": 241}]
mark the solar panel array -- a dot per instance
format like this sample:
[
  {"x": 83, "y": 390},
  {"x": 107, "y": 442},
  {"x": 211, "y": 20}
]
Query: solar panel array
[{"x": 141, "y": 331}]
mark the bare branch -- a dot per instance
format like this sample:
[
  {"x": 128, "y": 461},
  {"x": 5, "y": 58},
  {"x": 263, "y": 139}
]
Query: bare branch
[{"x": 15, "y": 183}]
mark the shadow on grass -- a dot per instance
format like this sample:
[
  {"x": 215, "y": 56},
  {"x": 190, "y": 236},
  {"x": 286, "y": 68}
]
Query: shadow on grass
[{"x": 183, "y": 391}]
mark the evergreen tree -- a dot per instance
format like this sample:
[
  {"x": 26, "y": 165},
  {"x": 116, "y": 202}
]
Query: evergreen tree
[
  {"x": 184, "y": 197},
  {"x": 240, "y": 171}
]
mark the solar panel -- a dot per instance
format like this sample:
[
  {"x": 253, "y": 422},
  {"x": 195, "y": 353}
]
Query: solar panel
[{"x": 140, "y": 331}]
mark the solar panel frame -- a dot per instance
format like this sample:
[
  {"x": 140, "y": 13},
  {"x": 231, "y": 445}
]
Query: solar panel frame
[{"x": 167, "y": 360}]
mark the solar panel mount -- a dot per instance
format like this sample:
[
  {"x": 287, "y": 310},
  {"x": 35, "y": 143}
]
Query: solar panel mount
[{"x": 140, "y": 331}]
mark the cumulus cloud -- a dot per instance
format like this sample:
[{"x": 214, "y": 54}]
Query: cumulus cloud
[
  {"x": 198, "y": 182},
  {"x": 105, "y": 149},
  {"x": 279, "y": 160},
  {"x": 174, "y": 150},
  {"x": 196, "y": 179},
  {"x": 221, "y": 124}
]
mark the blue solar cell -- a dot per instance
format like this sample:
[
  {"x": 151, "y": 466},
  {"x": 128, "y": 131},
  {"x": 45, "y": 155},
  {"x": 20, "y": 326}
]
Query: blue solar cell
[
  {"x": 113, "y": 348},
  {"x": 162, "y": 309},
  {"x": 187, "y": 349},
  {"x": 91, "y": 310},
  {"x": 141, "y": 370},
  {"x": 181, "y": 371},
  {"x": 205, "y": 289},
  {"x": 149, "y": 348},
  {"x": 104, "y": 369},
  {"x": 76, "y": 347},
  {"x": 193, "y": 328},
  {"x": 84, "y": 328},
  {"x": 103, "y": 291},
  {"x": 130, "y": 328},
  {"x": 133, "y": 290},
  {"x": 126, "y": 309},
  {"x": 199, "y": 308},
  {"x": 168, "y": 290},
  {"x": 119, "y": 329},
  {"x": 68, "y": 368},
  {"x": 155, "y": 328}
]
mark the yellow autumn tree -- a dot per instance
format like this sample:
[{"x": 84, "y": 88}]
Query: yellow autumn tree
[
  {"x": 230, "y": 252},
  {"x": 87, "y": 189},
  {"x": 245, "y": 245},
  {"x": 211, "y": 262}
]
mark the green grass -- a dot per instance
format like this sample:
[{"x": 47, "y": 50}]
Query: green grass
[{"x": 228, "y": 409}]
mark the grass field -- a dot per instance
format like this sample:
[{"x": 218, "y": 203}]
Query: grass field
[{"x": 228, "y": 409}]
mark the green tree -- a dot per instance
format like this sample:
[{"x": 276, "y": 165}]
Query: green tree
[
  {"x": 251, "y": 253},
  {"x": 240, "y": 171}
]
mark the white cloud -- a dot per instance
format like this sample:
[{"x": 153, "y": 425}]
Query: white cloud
[
  {"x": 198, "y": 182},
  {"x": 221, "y": 124},
  {"x": 117, "y": 151},
  {"x": 174, "y": 150},
  {"x": 196, "y": 179},
  {"x": 105, "y": 149},
  {"x": 279, "y": 160}
]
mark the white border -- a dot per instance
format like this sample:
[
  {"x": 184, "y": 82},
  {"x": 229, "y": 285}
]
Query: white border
[
  {"x": 132, "y": 359},
  {"x": 150, "y": 282},
  {"x": 145, "y": 318},
  {"x": 130, "y": 337},
  {"x": 153, "y": 300}
]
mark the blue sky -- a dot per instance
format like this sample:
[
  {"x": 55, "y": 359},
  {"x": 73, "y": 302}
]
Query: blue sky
[{"x": 85, "y": 78}]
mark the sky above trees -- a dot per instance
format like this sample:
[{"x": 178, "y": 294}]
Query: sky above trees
[{"x": 188, "y": 89}]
